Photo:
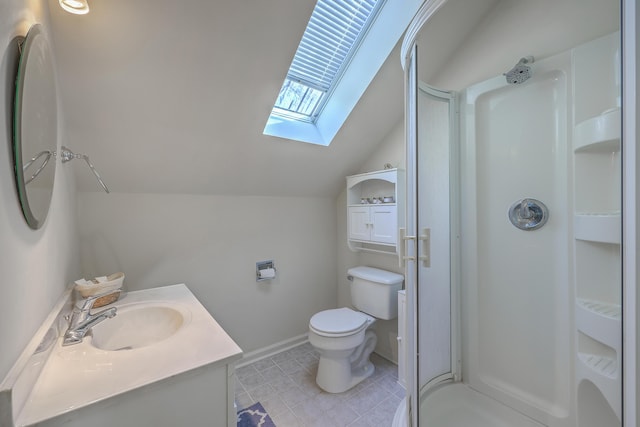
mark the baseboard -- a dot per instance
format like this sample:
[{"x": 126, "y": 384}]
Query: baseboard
[
  {"x": 263, "y": 353},
  {"x": 386, "y": 357}
]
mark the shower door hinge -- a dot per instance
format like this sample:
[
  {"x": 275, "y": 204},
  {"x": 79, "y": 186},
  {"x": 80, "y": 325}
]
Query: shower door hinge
[{"x": 425, "y": 238}]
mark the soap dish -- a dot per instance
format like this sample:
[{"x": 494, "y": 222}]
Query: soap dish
[
  {"x": 107, "y": 299},
  {"x": 101, "y": 285}
]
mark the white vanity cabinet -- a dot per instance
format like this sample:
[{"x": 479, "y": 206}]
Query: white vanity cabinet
[
  {"x": 184, "y": 378},
  {"x": 375, "y": 210}
]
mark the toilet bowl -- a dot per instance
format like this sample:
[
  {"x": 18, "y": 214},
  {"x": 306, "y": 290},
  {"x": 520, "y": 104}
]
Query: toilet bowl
[
  {"x": 345, "y": 342},
  {"x": 344, "y": 337}
]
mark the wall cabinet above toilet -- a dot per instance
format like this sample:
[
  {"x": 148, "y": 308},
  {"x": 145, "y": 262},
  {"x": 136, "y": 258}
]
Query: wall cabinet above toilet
[
  {"x": 375, "y": 210},
  {"x": 375, "y": 223}
]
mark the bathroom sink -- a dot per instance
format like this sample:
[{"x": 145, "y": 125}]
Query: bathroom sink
[
  {"x": 138, "y": 325},
  {"x": 157, "y": 334}
]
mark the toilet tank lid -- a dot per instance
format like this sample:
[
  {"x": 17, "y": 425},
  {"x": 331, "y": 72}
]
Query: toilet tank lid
[{"x": 376, "y": 275}]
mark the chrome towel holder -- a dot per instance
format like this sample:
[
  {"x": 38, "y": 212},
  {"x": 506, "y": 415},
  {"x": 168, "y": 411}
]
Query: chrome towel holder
[{"x": 67, "y": 155}]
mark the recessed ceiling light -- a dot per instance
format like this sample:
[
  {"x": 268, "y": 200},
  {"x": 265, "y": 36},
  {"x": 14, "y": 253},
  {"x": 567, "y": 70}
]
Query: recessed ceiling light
[{"x": 79, "y": 7}]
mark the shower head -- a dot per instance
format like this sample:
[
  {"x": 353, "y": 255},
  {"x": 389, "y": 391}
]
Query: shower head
[{"x": 520, "y": 73}]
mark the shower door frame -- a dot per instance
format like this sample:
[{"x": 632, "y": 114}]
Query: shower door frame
[
  {"x": 630, "y": 216},
  {"x": 455, "y": 371},
  {"x": 414, "y": 252}
]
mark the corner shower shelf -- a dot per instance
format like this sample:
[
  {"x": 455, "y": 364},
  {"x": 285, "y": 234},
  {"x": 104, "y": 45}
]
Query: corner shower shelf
[
  {"x": 604, "y": 374},
  {"x": 601, "y": 365},
  {"x": 597, "y": 227},
  {"x": 600, "y": 321},
  {"x": 597, "y": 230},
  {"x": 599, "y": 134},
  {"x": 603, "y": 309},
  {"x": 600, "y": 345}
]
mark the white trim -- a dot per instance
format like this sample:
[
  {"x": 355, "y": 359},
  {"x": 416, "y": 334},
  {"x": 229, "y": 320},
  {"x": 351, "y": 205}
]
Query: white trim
[
  {"x": 630, "y": 210},
  {"x": 268, "y": 351},
  {"x": 426, "y": 11},
  {"x": 411, "y": 88}
]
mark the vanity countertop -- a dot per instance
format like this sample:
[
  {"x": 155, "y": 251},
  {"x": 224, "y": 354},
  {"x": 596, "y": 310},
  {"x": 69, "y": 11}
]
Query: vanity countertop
[{"x": 79, "y": 375}]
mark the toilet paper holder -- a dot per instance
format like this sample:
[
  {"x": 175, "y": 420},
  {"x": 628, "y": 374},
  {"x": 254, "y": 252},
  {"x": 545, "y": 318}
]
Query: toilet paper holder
[{"x": 265, "y": 270}]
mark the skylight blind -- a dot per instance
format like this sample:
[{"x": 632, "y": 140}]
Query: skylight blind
[
  {"x": 333, "y": 33},
  {"x": 333, "y": 30}
]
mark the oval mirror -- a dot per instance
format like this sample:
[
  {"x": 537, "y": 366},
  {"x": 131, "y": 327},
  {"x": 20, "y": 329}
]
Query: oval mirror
[{"x": 35, "y": 127}]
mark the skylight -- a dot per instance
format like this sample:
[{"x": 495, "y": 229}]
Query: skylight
[
  {"x": 345, "y": 44},
  {"x": 333, "y": 33}
]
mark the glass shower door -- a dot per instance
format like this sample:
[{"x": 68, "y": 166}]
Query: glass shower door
[
  {"x": 435, "y": 164},
  {"x": 432, "y": 160}
]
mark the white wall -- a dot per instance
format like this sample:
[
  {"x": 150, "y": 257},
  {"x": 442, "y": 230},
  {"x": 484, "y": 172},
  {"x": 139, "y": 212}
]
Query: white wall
[
  {"x": 37, "y": 265},
  {"x": 390, "y": 150},
  {"x": 211, "y": 243},
  {"x": 516, "y": 29}
]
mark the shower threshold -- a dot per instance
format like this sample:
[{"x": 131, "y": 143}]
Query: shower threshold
[{"x": 461, "y": 406}]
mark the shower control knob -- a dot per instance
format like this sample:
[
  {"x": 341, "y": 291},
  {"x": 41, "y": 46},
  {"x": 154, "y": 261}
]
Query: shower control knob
[{"x": 528, "y": 214}]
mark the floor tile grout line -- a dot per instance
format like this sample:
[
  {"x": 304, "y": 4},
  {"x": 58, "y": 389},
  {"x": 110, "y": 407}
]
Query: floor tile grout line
[{"x": 298, "y": 357}]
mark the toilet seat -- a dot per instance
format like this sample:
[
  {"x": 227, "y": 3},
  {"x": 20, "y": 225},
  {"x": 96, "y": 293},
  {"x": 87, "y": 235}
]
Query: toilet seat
[{"x": 338, "y": 322}]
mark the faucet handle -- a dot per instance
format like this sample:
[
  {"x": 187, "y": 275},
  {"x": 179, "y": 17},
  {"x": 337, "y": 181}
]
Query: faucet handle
[{"x": 525, "y": 212}]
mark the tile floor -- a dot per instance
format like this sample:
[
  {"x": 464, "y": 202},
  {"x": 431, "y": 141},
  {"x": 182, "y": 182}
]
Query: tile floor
[{"x": 285, "y": 385}]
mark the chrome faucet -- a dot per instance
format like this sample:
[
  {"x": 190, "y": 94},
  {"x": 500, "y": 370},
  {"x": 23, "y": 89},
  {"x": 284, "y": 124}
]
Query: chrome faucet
[{"x": 82, "y": 320}]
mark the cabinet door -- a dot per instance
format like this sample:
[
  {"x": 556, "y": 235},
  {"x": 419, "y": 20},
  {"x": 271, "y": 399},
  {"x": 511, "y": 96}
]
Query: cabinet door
[
  {"x": 384, "y": 220},
  {"x": 359, "y": 224}
]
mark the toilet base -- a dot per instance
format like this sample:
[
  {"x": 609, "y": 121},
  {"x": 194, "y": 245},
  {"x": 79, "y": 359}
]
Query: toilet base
[
  {"x": 347, "y": 380},
  {"x": 340, "y": 371}
]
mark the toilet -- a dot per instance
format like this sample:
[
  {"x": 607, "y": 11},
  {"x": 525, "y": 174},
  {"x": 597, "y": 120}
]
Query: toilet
[{"x": 343, "y": 336}]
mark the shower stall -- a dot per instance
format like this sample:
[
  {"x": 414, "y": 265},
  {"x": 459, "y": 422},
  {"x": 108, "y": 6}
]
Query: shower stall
[{"x": 513, "y": 239}]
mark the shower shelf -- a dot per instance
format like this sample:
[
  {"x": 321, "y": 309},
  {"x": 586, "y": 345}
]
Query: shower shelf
[
  {"x": 604, "y": 366},
  {"x": 604, "y": 228},
  {"x": 603, "y": 373},
  {"x": 600, "y": 321},
  {"x": 597, "y": 229},
  {"x": 599, "y": 134},
  {"x": 604, "y": 309}
]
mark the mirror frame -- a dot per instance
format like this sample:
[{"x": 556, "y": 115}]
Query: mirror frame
[{"x": 35, "y": 125}]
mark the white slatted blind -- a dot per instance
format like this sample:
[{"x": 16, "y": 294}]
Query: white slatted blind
[{"x": 334, "y": 31}]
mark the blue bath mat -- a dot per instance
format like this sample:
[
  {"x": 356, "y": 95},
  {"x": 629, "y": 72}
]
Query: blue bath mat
[{"x": 254, "y": 416}]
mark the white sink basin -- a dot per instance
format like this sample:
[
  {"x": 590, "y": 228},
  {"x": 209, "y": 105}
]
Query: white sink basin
[{"x": 138, "y": 325}]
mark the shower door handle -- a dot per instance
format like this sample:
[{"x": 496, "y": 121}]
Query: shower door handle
[
  {"x": 425, "y": 238},
  {"x": 402, "y": 257}
]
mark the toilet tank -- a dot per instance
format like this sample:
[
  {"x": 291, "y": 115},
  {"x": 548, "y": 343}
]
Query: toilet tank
[{"x": 375, "y": 291}]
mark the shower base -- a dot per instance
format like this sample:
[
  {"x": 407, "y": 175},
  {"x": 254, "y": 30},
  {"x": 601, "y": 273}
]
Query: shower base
[{"x": 461, "y": 406}]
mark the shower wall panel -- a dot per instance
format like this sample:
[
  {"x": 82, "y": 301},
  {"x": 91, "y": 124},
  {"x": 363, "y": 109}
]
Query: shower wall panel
[{"x": 517, "y": 289}]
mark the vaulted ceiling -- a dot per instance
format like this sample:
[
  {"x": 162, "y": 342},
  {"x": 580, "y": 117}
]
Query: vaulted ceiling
[{"x": 172, "y": 97}]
